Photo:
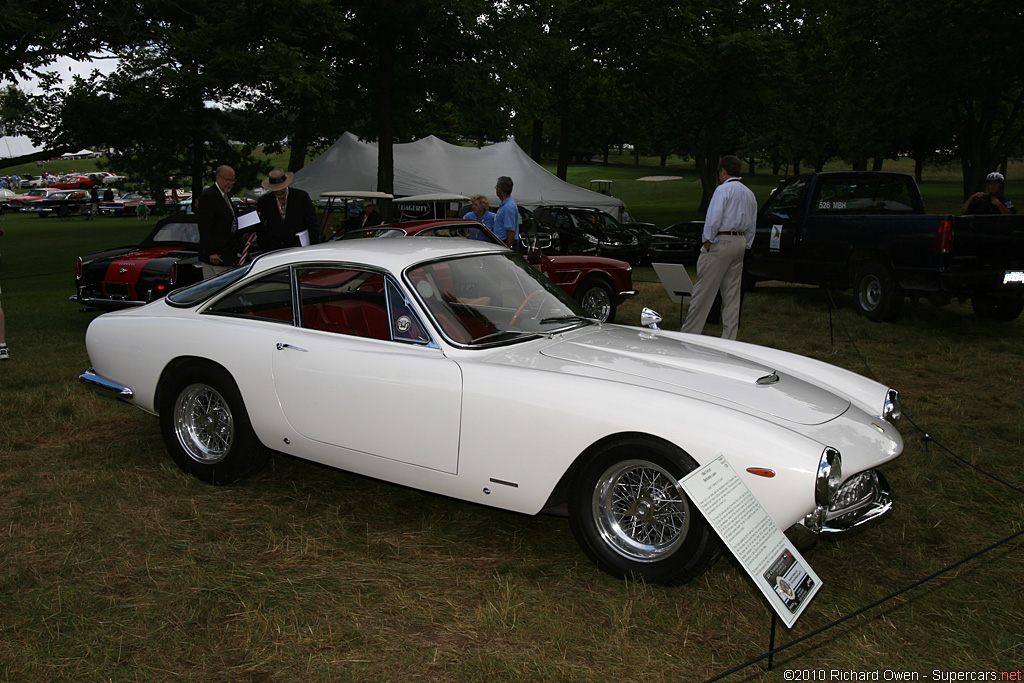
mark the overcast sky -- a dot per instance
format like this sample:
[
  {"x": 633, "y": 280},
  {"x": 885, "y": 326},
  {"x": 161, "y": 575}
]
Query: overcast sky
[{"x": 70, "y": 67}]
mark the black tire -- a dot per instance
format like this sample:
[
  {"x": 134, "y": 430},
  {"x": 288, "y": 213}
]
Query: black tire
[
  {"x": 876, "y": 295},
  {"x": 631, "y": 517},
  {"x": 206, "y": 428},
  {"x": 997, "y": 308},
  {"x": 597, "y": 299}
]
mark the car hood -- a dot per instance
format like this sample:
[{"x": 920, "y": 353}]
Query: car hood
[{"x": 694, "y": 369}]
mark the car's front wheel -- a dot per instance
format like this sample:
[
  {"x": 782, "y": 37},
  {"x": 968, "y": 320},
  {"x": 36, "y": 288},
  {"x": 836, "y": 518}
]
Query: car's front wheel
[
  {"x": 206, "y": 428},
  {"x": 597, "y": 299},
  {"x": 630, "y": 515}
]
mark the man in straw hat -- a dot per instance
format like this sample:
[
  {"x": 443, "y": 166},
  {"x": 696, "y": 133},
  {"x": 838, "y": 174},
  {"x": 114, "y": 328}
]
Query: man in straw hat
[{"x": 287, "y": 216}]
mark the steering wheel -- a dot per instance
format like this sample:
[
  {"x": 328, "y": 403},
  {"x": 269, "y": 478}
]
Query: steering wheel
[{"x": 522, "y": 306}]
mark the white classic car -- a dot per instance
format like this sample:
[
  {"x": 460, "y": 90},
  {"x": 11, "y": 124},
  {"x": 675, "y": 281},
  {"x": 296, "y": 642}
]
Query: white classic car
[{"x": 479, "y": 379}]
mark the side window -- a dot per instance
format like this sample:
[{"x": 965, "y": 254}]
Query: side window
[
  {"x": 788, "y": 201},
  {"x": 269, "y": 298},
  {"x": 344, "y": 301}
]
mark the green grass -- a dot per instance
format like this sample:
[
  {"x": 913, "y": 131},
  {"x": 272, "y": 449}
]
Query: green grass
[
  {"x": 666, "y": 202},
  {"x": 118, "y": 567}
]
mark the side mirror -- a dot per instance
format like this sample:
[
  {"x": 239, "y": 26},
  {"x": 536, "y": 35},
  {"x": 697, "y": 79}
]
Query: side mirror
[{"x": 650, "y": 318}]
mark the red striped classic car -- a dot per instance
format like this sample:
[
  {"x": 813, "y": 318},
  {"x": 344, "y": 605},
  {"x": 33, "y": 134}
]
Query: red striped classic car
[{"x": 134, "y": 275}]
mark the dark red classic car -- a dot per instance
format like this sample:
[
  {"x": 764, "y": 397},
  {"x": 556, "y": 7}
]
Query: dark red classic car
[
  {"x": 599, "y": 284},
  {"x": 134, "y": 275},
  {"x": 127, "y": 204}
]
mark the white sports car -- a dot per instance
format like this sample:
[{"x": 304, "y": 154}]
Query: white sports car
[{"x": 453, "y": 366}]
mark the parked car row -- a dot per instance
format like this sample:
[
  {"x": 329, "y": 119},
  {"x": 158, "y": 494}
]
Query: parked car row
[{"x": 169, "y": 257}]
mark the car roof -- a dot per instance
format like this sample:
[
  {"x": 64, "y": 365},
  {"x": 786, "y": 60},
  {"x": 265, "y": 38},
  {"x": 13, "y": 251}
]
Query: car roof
[
  {"x": 395, "y": 255},
  {"x": 357, "y": 194},
  {"x": 435, "y": 197},
  {"x": 568, "y": 207}
]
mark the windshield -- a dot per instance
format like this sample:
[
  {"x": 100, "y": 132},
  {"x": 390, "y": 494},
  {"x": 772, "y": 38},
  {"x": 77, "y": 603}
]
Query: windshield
[
  {"x": 492, "y": 298},
  {"x": 177, "y": 232}
]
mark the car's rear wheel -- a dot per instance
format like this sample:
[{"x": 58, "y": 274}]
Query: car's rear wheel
[
  {"x": 206, "y": 428},
  {"x": 877, "y": 296},
  {"x": 597, "y": 299},
  {"x": 632, "y": 518}
]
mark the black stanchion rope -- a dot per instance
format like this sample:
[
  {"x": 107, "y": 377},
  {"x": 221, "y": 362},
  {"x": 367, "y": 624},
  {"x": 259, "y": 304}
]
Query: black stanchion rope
[{"x": 926, "y": 438}]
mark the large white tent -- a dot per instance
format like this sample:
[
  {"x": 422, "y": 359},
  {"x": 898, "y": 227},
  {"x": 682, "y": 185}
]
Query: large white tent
[
  {"x": 12, "y": 146},
  {"x": 432, "y": 165}
]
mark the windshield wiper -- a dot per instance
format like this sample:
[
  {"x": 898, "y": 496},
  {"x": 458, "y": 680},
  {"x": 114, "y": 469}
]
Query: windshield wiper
[
  {"x": 569, "y": 319},
  {"x": 513, "y": 332}
]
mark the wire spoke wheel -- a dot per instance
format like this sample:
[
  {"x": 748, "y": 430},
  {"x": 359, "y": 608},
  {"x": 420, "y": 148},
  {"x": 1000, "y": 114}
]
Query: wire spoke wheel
[
  {"x": 640, "y": 510},
  {"x": 597, "y": 303},
  {"x": 203, "y": 423}
]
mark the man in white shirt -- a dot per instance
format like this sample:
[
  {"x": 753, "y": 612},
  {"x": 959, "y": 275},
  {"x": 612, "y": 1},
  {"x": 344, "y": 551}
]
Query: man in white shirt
[{"x": 728, "y": 233}]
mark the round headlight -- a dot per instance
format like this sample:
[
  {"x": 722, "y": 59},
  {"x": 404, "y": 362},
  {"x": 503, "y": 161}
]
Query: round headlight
[
  {"x": 830, "y": 475},
  {"x": 891, "y": 410}
]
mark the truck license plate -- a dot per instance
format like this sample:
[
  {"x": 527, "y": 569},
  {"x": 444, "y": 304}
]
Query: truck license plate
[{"x": 1013, "y": 277}]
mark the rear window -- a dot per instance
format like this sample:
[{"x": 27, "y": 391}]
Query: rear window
[
  {"x": 197, "y": 293},
  {"x": 868, "y": 195}
]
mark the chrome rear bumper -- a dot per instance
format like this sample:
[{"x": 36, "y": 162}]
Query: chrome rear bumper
[{"x": 104, "y": 387}]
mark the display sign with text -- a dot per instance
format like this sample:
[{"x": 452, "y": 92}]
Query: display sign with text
[{"x": 779, "y": 571}]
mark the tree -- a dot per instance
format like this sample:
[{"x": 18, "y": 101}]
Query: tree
[{"x": 406, "y": 66}]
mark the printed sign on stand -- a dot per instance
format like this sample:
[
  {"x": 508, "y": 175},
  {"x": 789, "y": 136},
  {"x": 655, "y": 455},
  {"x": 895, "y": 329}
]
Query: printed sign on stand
[{"x": 776, "y": 567}]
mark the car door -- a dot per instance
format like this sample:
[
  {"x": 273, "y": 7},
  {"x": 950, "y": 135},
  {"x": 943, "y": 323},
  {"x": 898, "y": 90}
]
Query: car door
[
  {"x": 777, "y": 246},
  {"x": 360, "y": 371}
]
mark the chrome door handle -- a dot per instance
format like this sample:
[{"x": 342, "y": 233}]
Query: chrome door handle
[{"x": 282, "y": 347}]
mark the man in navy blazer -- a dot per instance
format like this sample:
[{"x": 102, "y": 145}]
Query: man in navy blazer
[
  {"x": 287, "y": 217},
  {"x": 218, "y": 241}
]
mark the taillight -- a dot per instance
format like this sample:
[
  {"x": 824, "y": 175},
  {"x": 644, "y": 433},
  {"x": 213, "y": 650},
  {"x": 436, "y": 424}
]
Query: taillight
[
  {"x": 173, "y": 275},
  {"x": 78, "y": 268},
  {"x": 944, "y": 237}
]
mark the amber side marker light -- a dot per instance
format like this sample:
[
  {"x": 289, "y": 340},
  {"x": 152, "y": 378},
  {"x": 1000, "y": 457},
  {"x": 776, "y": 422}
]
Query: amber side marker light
[{"x": 761, "y": 471}]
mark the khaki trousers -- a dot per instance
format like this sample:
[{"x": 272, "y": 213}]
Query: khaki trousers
[{"x": 719, "y": 269}]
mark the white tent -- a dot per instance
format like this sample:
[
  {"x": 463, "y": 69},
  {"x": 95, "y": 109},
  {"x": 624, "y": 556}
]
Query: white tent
[
  {"x": 16, "y": 146},
  {"x": 432, "y": 165}
]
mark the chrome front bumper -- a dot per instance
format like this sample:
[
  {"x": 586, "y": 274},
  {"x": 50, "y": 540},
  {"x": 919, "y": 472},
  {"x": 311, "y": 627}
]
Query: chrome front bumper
[
  {"x": 104, "y": 387},
  {"x": 863, "y": 499}
]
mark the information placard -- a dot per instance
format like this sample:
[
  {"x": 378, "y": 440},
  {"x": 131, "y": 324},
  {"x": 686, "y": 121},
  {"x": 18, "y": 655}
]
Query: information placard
[{"x": 775, "y": 566}]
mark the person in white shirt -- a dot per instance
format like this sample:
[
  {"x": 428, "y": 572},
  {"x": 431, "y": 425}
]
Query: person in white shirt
[{"x": 728, "y": 233}]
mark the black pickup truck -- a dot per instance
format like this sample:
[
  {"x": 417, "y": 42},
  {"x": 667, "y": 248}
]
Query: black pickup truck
[{"x": 870, "y": 231}]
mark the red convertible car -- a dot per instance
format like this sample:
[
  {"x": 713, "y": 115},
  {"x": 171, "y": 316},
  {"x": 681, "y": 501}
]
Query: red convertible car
[{"x": 599, "y": 284}]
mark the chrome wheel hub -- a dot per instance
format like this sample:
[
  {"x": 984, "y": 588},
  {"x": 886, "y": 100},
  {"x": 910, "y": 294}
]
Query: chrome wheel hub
[
  {"x": 640, "y": 510},
  {"x": 597, "y": 304},
  {"x": 203, "y": 423}
]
